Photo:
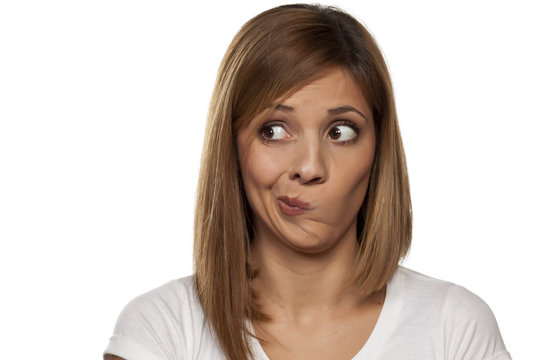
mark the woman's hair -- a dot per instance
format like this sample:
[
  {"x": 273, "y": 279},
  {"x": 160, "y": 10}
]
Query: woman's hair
[{"x": 274, "y": 54}]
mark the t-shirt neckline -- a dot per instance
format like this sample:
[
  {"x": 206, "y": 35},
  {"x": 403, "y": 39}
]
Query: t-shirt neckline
[{"x": 379, "y": 333}]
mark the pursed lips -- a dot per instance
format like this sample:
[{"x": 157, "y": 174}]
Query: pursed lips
[{"x": 293, "y": 206}]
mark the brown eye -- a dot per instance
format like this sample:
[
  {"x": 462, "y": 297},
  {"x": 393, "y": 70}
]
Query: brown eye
[
  {"x": 268, "y": 132},
  {"x": 273, "y": 132},
  {"x": 335, "y": 133},
  {"x": 342, "y": 133}
]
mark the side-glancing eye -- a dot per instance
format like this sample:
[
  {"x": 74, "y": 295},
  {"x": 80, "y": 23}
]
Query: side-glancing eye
[
  {"x": 273, "y": 132},
  {"x": 343, "y": 132}
]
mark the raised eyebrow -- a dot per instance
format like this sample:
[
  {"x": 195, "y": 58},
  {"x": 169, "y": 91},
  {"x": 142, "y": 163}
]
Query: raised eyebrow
[
  {"x": 282, "y": 107},
  {"x": 344, "y": 109},
  {"x": 333, "y": 111}
]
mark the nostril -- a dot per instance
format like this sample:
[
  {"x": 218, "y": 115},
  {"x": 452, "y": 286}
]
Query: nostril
[
  {"x": 307, "y": 180},
  {"x": 315, "y": 180}
]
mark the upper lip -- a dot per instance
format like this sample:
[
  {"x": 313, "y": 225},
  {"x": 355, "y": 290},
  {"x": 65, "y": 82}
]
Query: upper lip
[{"x": 295, "y": 202}]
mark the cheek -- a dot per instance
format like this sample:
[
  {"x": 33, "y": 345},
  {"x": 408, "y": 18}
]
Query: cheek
[
  {"x": 351, "y": 181},
  {"x": 260, "y": 170}
]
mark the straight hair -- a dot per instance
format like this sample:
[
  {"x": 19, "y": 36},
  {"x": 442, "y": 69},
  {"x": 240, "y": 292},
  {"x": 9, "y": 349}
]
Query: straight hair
[{"x": 274, "y": 54}]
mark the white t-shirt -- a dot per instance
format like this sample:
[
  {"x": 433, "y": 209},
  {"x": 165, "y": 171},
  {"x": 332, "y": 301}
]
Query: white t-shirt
[{"x": 422, "y": 318}]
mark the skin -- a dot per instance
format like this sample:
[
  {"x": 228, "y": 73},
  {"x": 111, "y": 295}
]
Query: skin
[{"x": 301, "y": 148}]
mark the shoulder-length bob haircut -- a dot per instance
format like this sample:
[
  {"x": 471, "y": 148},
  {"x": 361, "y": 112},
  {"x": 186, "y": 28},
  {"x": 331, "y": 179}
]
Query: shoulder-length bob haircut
[{"x": 274, "y": 54}]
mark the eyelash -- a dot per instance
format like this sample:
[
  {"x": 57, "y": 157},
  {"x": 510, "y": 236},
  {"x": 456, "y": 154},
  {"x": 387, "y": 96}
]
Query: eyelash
[{"x": 337, "y": 123}]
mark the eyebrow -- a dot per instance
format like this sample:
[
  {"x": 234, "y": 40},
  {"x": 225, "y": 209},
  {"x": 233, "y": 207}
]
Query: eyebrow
[
  {"x": 282, "y": 107},
  {"x": 333, "y": 111},
  {"x": 344, "y": 109}
]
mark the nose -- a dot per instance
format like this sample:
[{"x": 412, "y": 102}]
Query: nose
[{"x": 309, "y": 165}]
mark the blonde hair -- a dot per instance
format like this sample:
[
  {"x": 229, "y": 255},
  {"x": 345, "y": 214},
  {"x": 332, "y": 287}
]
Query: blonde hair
[{"x": 273, "y": 54}]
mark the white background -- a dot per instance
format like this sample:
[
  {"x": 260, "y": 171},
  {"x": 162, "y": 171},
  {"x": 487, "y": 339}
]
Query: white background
[{"x": 102, "y": 112}]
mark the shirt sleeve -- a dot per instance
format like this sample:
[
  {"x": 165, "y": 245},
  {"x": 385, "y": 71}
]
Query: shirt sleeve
[
  {"x": 471, "y": 331},
  {"x": 143, "y": 331}
]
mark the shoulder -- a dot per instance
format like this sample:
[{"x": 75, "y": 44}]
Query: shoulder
[
  {"x": 453, "y": 300},
  {"x": 167, "y": 301},
  {"x": 471, "y": 327},
  {"x": 421, "y": 284},
  {"x": 161, "y": 323},
  {"x": 456, "y": 318}
]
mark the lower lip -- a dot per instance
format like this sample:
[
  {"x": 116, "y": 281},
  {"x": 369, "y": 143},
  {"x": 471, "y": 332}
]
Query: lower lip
[{"x": 290, "y": 210}]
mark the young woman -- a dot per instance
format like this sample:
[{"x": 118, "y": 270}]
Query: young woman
[{"x": 303, "y": 214}]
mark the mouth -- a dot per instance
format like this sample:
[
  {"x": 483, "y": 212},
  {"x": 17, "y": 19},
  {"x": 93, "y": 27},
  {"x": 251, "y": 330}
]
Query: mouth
[{"x": 293, "y": 207}]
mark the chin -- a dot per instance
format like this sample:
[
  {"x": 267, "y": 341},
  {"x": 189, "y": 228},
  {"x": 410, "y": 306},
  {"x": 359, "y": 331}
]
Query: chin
[{"x": 310, "y": 243}]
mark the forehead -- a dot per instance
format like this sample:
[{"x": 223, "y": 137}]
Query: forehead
[
  {"x": 334, "y": 88},
  {"x": 330, "y": 88}
]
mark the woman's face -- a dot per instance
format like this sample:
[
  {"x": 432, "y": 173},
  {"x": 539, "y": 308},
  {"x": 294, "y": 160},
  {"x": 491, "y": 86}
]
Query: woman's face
[{"x": 306, "y": 164}]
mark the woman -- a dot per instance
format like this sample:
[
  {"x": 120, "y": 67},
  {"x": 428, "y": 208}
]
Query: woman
[{"x": 303, "y": 213}]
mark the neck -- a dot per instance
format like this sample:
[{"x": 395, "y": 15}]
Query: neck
[{"x": 296, "y": 284}]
